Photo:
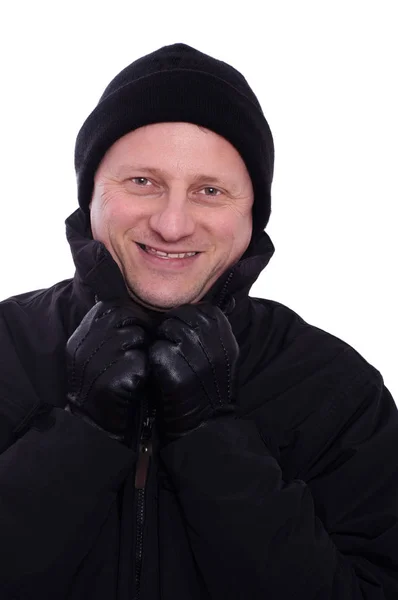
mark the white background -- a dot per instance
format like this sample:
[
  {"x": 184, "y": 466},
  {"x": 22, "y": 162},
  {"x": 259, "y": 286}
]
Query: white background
[{"x": 326, "y": 75}]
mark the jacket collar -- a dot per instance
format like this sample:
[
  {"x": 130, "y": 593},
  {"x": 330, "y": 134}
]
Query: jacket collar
[{"x": 98, "y": 275}]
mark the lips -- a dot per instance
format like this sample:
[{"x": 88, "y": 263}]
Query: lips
[{"x": 166, "y": 255}]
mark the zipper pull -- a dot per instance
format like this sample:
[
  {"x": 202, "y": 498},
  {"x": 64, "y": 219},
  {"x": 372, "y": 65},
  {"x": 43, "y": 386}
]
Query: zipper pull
[{"x": 145, "y": 452}]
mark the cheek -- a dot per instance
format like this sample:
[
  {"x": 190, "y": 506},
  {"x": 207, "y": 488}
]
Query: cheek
[
  {"x": 244, "y": 237},
  {"x": 110, "y": 217},
  {"x": 235, "y": 231},
  {"x": 100, "y": 220}
]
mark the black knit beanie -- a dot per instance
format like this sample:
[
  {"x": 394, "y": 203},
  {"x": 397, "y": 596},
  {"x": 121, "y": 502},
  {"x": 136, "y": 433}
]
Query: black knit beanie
[{"x": 179, "y": 83}]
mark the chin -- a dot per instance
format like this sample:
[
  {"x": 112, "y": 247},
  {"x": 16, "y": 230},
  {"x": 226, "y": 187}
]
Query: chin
[
  {"x": 159, "y": 304},
  {"x": 163, "y": 304}
]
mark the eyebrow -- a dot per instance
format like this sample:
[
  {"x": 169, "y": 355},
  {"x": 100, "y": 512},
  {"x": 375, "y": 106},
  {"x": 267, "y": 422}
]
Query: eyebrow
[{"x": 199, "y": 178}]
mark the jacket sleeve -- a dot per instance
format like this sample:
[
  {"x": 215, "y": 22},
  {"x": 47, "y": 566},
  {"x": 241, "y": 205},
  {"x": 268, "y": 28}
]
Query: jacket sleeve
[
  {"x": 58, "y": 483},
  {"x": 255, "y": 534}
]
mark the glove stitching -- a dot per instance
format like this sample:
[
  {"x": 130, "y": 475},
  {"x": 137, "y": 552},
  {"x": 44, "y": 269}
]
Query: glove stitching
[
  {"x": 73, "y": 376},
  {"x": 196, "y": 375},
  {"x": 126, "y": 322},
  {"x": 105, "y": 313},
  {"x": 84, "y": 366},
  {"x": 177, "y": 317},
  {"x": 99, "y": 375},
  {"x": 213, "y": 371}
]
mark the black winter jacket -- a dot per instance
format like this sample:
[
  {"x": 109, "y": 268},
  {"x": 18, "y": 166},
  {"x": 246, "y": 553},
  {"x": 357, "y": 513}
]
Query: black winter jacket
[{"x": 297, "y": 498}]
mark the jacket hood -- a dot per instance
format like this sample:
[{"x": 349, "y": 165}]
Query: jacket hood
[{"x": 97, "y": 272}]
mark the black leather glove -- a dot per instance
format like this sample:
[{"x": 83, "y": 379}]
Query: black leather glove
[
  {"x": 194, "y": 366},
  {"x": 107, "y": 366}
]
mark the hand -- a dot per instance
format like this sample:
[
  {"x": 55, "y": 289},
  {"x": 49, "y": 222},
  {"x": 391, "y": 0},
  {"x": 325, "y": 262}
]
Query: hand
[
  {"x": 194, "y": 365},
  {"x": 107, "y": 366}
]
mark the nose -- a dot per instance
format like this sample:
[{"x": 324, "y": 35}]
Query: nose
[{"x": 173, "y": 219}]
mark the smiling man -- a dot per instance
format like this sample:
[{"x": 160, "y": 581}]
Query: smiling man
[
  {"x": 172, "y": 202},
  {"x": 163, "y": 434}
]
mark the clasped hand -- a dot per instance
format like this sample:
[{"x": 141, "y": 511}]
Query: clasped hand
[{"x": 190, "y": 359}]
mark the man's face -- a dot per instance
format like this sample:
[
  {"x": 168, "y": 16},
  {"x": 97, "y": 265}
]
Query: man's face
[{"x": 172, "y": 189}]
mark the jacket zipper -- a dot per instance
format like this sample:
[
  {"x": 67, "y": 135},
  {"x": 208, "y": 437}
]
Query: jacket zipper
[
  {"x": 143, "y": 461},
  {"x": 141, "y": 473}
]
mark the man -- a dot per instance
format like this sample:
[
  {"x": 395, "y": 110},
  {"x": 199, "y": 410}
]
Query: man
[{"x": 163, "y": 434}]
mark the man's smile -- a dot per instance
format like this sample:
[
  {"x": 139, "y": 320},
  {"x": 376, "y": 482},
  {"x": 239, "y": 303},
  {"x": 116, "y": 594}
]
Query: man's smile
[
  {"x": 172, "y": 260},
  {"x": 167, "y": 253}
]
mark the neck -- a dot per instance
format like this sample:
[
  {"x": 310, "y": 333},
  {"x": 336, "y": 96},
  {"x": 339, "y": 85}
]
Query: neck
[{"x": 146, "y": 305}]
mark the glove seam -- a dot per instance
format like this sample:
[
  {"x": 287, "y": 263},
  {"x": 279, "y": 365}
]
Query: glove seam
[
  {"x": 213, "y": 372},
  {"x": 86, "y": 362},
  {"x": 97, "y": 376},
  {"x": 196, "y": 375}
]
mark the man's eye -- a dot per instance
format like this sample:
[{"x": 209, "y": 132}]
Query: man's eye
[
  {"x": 143, "y": 181},
  {"x": 140, "y": 181},
  {"x": 213, "y": 191}
]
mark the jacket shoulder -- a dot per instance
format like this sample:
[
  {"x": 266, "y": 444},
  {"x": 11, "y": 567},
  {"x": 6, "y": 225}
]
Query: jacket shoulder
[
  {"x": 34, "y": 299},
  {"x": 34, "y": 327},
  {"x": 42, "y": 312},
  {"x": 311, "y": 390},
  {"x": 292, "y": 335}
]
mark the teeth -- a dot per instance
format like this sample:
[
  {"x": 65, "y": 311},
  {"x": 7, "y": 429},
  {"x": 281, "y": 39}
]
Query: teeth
[
  {"x": 153, "y": 251},
  {"x": 168, "y": 255}
]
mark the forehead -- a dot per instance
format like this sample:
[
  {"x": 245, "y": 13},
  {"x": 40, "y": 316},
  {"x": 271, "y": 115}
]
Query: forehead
[
  {"x": 177, "y": 146},
  {"x": 173, "y": 132},
  {"x": 130, "y": 169}
]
